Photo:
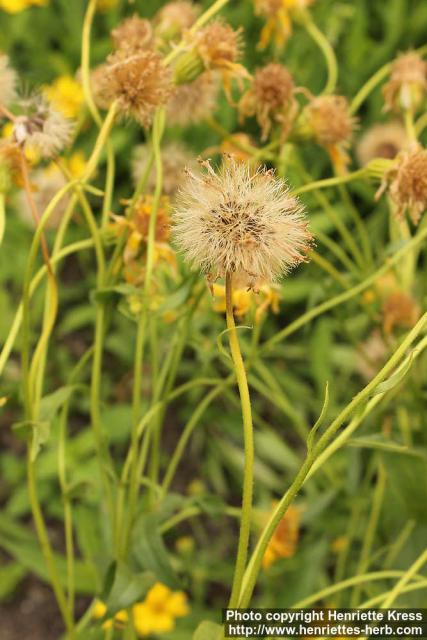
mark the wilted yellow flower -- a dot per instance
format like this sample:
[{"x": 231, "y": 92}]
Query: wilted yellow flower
[
  {"x": 244, "y": 300},
  {"x": 31, "y": 153},
  {"x": 159, "y": 611},
  {"x": 16, "y": 6},
  {"x": 66, "y": 95},
  {"x": 284, "y": 541},
  {"x": 278, "y": 14}
]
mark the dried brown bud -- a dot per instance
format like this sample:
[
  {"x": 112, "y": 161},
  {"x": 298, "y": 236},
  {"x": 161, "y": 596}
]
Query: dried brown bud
[{"x": 408, "y": 83}]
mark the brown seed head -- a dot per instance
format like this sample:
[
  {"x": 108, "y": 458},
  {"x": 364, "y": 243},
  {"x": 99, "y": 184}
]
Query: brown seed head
[
  {"x": 330, "y": 119},
  {"x": 175, "y": 18},
  {"x": 132, "y": 35},
  {"x": 218, "y": 44},
  {"x": 270, "y": 97},
  {"x": 194, "y": 102},
  {"x": 408, "y": 82},
  {"x": 140, "y": 82},
  {"x": 408, "y": 187}
]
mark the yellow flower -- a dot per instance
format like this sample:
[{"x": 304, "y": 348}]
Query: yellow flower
[
  {"x": 16, "y": 6},
  {"x": 243, "y": 300},
  {"x": 158, "y": 612},
  {"x": 99, "y": 610},
  {"x": 285, "y": 539},
  {"x": 66, "y": 95}
]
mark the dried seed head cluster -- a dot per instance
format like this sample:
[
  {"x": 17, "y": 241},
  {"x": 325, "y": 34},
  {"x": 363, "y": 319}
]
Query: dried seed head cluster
[
  {"x": 133, "y": 34},
  {"x": 175, "y": 157},
  {"x": 175, "y": 18},
  {"x": 194, "y": 102},
  {"x": 242, "y": 223},
  {"x": 381, "y": 141},
  {"x": 270, "y": 98},
  {"x": 408, "y": 83},
  {"x": 42, "y": 127},
  {"x": 408, "y": 184},
  {"x": 8, "y": 82},
  {"x": 140, "y": 82},
  {"x": 218, "y": 44},
  {"x": 330, "y": 120}
]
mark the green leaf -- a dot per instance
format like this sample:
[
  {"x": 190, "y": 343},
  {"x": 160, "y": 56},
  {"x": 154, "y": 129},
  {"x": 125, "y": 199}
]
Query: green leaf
[
  {"x": 36, "y": 433},
  {"x": 394, "y": 380},
  {"x": 127, "y": 588},
  {"x": 208, "y": 630},
  {"x": 210, "y": 504},
  {"x": 379, "y": 442},
  {"x": 50, "y": 404},
  {"x": 150, "y": 550},
  {"x": 10, "y": 576}
]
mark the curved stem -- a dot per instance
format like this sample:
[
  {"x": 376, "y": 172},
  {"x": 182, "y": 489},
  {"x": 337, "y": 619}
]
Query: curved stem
[
  {"x": 242, "y": 382},
  {"x": 331, "y": 182},
  {"x": 328, "y": 52}
]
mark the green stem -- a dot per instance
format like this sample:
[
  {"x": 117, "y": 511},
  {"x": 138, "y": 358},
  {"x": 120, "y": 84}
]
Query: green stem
[
  {"x": 328, "y": 52},
  {"x": 256, "y": 559},
  {"x": 331, "y": 182},
  {"x": 329, "y": 268},
  {"x": 346, "y": 295},
  {"x": 242, "y": 383}
]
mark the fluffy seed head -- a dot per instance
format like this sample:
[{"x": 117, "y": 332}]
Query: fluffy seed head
[
  {"x": 330, "y": 119},
  {"x": 238, "y": 222},
  {"x": 408, "y": 82},
  {"x": 270, "y": 96},
  {"x": 175, "y": 157},
  {"x": 8, "y": 81},
  {"x": 140, "y": 82},
  {"x": 408, "y": 187},
  {"x": 46, "y": 183},
  {"x": 42, "y": 127},
  {"x": 381, "y": 141},
  {"x": 132, "y": 35},
  {"x": 194, "y": 102}
]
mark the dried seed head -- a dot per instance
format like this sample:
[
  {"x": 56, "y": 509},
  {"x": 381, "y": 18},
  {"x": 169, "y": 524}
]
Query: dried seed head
[
  {"x": 132, "y": 35},
  {"x": 219, "y": 45},
  {"x": 194, "y": 102},
  {"x": 8, "y": 81},
  {"x": 42, "y": 127},
  {"x": 408, "y": 184},
  {"x": 381, "y": 141},
  {"x": 408, "y": 82},
  {"x": 270, "y": 98},
  {"x": 140, "y": 82},
  {"x": 99, "y": 87},
  {"x": 175, "y": 18},
  {"x": 239, "y": 222},
  {"x": 330, "y": 120},
  {"x": 175, "y": 157}
]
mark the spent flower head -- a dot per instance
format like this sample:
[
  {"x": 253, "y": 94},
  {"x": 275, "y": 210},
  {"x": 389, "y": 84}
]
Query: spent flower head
[
  {"x": 407, "y": 183},
  {"x": 175, "y": 156},
  {"x": 42, "y": 127},
  {"x": 195, "y": 101},
  {"x": 237, "y": 222},
  {"x": 174, "y": 18},
  {"x": 381, "y": 141},
  {"x": 270, "y": 98},
  {"x": 140, "y": 82},
  {"x": 133, "y": 34},
  {"x": 407, "y": 85}
]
